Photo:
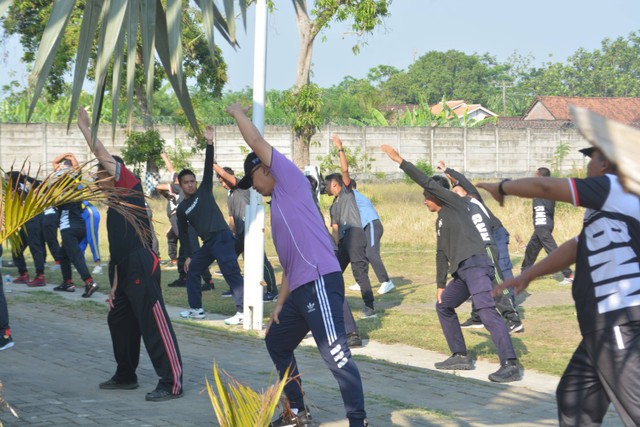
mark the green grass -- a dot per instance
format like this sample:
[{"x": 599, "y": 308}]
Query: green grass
[{"x": 407, "y": 315}]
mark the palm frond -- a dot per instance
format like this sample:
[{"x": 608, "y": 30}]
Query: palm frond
[
  {"x": 58, "y": 188},
  {"x": 237, "y": 404},
  {"x": 120, "y": 20}
]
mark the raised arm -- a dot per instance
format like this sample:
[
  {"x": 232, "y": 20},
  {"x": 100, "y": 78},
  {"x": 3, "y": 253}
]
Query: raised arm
[
  {"x": 167, "y": 163},
  {"x": 458, "y": 178},
  {"x": 225, "y": 175},
  {"x": 558, "y": 189},
  {"x": 207, "y": 175},
  {"x": 344, "y": 165},
  {"x": 65, "y": 156},
  {"x": 250, "y": 133},
  {"x": 98, "y": 150}
]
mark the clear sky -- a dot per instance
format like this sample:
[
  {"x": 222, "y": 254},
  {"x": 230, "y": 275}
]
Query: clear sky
[{"x": 547, "y": 29}]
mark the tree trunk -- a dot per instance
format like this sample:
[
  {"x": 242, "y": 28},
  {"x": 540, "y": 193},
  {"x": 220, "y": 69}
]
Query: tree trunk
[{"x": 308, "y": 31}]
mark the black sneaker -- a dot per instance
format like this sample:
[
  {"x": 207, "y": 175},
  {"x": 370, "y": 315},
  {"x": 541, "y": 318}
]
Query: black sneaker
[
  {"x": 354, "y": 340},
  {"x": 178, "y": 283},
  {"x": 6, "y": 341},
  {"x": 90, "y": 288},
  {"x": 509, "y": 371},
  {"x": 113, "y": 384},
  {"x": 456, "y": 362},
  {"x": 227, "y": 294},
  {"x": 209, "y": 286},
  {"x": 515, "y": 326},
  {"x": 269, "y": 297},
  {"x": 65, "y": 287},
  {"x": 159, "y": 395},
  {"x": 471, "y": 323},
  {"x": 289, "y": 419},
  {"x": 368, "y": 312}
]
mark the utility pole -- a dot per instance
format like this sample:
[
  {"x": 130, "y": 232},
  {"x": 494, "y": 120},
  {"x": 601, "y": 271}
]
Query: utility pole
[{"x": 504, "y": 97}]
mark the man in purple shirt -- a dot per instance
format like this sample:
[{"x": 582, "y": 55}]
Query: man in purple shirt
[{"x": 312, "y": 291}]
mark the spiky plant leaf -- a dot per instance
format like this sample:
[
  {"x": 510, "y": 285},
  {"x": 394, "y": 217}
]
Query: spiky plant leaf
[
  {"x": 55, "y": 189},
  {"x": 113, "y": 25},
  {"x": 238, "y": 405}
]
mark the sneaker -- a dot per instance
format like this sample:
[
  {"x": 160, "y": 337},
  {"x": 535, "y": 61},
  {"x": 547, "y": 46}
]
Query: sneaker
[
  {"x": 354, "y": 340},
  {"x": 289, "y": 419},
  {"x": 386, "y": 287},
  {"x": 270, "y": 297},
  {"x": 193, "y": 313},
  {"x": 509, "y": 371},
  {"x": 354, "y": 287},
  {"x": 227, "y": 294},
  {"x": 97, "y": 270},
  {"x": 178, "y": 283},
  {"x": 113, "y": 384},
  {"x": 89, "y": 288},
  {"x": 65, "y": 287},
  {"x": 236, "y": 319},
  {"x": 209, "y": 286},
  {"x": 37, "y": 281},
  {"x": 472, "y": 323},
  {"x": 515, "y": 326},
  {"x": 567, "y": 280},
  {"x": 159, "y": 395},
  {"x": 368, "y": 312},
  {"x": 171, "y": 265},
  {"x": 217, "y": 273},
  {"x": 457, "y": 362},
  {"x": 6, "y": 341},
  {"x": 23, "y": 278}
]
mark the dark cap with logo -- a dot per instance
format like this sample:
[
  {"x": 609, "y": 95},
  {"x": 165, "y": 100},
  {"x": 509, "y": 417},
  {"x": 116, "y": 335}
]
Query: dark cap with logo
[{"x": 250, "y": 164}]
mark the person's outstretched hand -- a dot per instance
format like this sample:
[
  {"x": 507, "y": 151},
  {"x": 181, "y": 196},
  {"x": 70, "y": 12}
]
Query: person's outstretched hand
[
  {"x": 84, "y": 122},
  {"x": 518, "y": 283},
  {"x": 237, "y": 108},
  {"x": 493, "y": 189},
  {"x": 392, "y": 153}
]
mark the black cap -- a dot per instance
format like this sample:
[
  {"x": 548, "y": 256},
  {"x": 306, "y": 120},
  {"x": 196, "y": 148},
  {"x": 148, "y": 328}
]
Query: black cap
[
  {"x": 250, "y": 164},
  {"x": 587, "y": 151}
]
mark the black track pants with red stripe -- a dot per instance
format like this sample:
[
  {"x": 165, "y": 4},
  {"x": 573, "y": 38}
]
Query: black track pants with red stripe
[{"x": 139, "y": 312}]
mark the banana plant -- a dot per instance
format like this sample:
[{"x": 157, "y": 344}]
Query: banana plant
[{"x": 238, "y": 405}]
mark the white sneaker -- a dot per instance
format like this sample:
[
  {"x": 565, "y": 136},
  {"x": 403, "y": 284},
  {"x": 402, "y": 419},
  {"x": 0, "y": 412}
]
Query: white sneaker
[
  {"x": 193, "y": 313},
  {"x": 386, "y": 287},
  {"x": 354, "y": 287},
  {"x": 97, "y": 269},
  {"x": 235, "y": 320}
]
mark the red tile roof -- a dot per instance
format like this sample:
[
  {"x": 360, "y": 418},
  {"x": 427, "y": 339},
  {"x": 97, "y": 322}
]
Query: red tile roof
[{"x": 624, "y": 110}]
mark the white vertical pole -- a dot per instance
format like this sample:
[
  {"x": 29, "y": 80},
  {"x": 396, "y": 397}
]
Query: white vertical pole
[{"x": 254, "y": 218}]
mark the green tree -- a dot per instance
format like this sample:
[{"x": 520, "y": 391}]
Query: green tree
[
  {"x": 365, "y": 15},
  {"x": 452, "y": 74},
  {"x": 122, "y": 29}
]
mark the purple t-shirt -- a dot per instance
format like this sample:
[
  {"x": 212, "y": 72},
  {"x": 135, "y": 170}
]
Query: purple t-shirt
[{"x": 301, "y": 239}]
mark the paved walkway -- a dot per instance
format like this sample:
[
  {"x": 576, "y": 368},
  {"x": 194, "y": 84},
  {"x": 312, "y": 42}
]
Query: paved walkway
[{"x": 51, "y": 375}]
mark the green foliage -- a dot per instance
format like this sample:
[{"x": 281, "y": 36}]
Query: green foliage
[
  {"x": 559, "y": 154},
  {"x": 359, "y": 162},
  {"x": 143, "y": 147},
  {"x": 424, "y": 166},
  {"x": 305, "y": 104},
  {"x": 179, "y": 156}
]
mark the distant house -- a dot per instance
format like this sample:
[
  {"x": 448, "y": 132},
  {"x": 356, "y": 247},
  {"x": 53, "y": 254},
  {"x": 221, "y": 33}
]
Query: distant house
[
  {"x": 553, "y": 111},
  {"x": 474, "y": 112}
]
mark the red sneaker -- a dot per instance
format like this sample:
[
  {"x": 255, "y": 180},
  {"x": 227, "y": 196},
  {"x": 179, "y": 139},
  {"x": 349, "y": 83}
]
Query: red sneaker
[
  {"x": 37, "y": 281},
  {"x": 23, "y": 278}
]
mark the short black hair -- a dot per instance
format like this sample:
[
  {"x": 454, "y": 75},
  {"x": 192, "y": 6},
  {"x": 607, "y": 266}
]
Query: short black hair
[
  {"x": 544, "y": 172},
  {"x": 334, "y": 177},
  {"x": 442, "y": 181},
  {"x": 118, "y": 159},
  {"x": 185, "y": 172},
  {"x": 228, "y": 170}
]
